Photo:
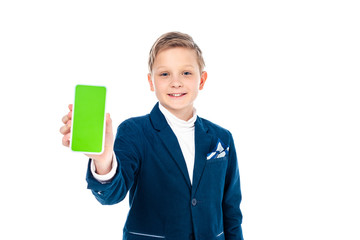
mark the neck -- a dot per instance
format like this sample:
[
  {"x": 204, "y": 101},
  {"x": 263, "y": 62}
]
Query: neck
[{"x": 184, "y": 115}]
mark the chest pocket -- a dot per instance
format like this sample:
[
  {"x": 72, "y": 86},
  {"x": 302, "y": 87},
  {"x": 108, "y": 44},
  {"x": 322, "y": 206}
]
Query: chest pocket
[
  {"x": 216, "y": 168},
  {"x": 213, "y": 179},
  {"x": 217, "y": 160}
]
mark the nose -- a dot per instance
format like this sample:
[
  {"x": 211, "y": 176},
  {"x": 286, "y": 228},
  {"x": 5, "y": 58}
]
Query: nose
[{"x": 176, "y": 82}]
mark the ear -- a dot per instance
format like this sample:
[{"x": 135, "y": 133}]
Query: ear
[
  {"x": 203, "y": 80},
  {"x": 150, "y": 82}
]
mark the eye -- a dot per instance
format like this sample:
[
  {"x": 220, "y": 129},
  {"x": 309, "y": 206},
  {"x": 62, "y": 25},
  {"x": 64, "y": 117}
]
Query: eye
[
  {"x": 164, "y": 74},
  {"x": 186, "y": 73}
]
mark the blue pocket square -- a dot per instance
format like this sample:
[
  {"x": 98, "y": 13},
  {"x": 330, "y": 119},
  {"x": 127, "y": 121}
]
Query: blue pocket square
[{"x": 220, "y": 150}]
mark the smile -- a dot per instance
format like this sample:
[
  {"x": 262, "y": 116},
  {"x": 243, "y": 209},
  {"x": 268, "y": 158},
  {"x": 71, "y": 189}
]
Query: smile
[{"x": 176, "y": 94}]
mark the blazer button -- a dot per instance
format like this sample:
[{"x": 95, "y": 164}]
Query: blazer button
[
  {"x": 192, "y": 237},
  {"x": 194, "y": 202}
]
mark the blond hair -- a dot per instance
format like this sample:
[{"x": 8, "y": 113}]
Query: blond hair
[{"x": 172, "y": 40}]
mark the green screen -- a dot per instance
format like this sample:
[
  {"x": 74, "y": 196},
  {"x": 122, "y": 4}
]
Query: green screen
[{"x": 88, "y": 119}]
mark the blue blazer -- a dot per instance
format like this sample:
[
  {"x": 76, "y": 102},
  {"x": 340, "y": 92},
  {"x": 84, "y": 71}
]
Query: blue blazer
[{"x": 163, "y": 203}]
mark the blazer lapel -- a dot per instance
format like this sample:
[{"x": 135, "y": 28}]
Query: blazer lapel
[
  {"x": 203, "y": 142},
  {"x": 169, "y": 140}
]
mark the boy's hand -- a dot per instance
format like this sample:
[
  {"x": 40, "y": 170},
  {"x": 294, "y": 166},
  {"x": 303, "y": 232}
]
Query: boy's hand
[{"x": 103, "y": 161}]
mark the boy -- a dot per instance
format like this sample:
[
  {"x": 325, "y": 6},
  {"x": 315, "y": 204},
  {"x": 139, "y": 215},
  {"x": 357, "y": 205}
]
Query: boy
[{"x": 181, "y": 170}]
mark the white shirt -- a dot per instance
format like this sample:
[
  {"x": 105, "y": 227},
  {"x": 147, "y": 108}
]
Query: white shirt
[{"x": 184, "y": 132}]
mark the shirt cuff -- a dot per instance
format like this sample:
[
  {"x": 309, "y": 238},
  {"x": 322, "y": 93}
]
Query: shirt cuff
[{"x": 106, "y": 177}]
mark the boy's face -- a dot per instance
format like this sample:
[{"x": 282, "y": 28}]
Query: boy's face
[{"x": 176, "y": 80}]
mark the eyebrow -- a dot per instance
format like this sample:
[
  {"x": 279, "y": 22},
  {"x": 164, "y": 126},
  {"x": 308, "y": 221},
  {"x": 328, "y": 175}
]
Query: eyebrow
[{"x": 188, "y": 65}]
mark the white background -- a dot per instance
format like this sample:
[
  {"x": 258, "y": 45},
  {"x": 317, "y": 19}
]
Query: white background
[{"x": 283, "y": 78}]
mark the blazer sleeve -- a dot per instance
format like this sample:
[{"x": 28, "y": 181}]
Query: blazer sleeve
[
  {"x": 232, "y": 216},
  {"x": 126, "y": 148}
]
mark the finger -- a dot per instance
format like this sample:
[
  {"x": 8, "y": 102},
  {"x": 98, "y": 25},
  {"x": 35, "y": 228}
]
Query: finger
[
  {"x": 65, "y": 119},
  {"x": 66, "y": 128},
  {"x": 109, "y": 135},
  {"x": 70, "y": 112},
  {"x": 68, "y": 116},
  {"x": 66, "y": 140},
  {"x": 108, "y": 123}
]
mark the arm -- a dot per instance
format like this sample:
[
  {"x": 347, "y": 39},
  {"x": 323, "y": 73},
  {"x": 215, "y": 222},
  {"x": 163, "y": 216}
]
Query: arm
[
  {"x": 104, "y": 162},
  {"x": 232, "y": 216},
  {"x": 103, "y": 178},
  {"x": 128, "y": 159},
  {"x": 106, "y": 182}
]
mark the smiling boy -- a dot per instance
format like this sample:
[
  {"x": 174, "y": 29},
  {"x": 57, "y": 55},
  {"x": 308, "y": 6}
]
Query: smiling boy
[
  {"x": 176, "y": 77},
  {"x": 181, "y": 170}
]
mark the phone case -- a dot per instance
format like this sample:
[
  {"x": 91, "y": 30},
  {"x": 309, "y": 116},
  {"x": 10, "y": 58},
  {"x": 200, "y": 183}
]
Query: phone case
[{"x": 88, "y": 119}]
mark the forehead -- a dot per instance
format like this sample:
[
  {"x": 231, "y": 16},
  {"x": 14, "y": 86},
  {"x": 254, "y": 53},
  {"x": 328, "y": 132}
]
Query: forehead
[{"x": 176, "y": 56}]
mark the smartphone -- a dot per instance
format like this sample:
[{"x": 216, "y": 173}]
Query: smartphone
[{"x": 88, "y": 119}]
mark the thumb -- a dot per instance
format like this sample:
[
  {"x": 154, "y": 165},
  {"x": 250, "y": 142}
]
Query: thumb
[
  {"x": 108, "y": 123},
  {"x": 109, "y": 135}
]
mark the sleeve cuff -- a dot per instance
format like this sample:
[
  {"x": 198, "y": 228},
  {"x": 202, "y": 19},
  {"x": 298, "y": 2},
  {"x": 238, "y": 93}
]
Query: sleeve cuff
[{"x": 107, "y": 177}]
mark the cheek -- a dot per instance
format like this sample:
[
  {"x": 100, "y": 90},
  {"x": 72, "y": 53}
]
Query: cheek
[
  {"x": 194, "y": 88},
  {"x": 195, "y": 85},
  {"x": 159, "y": 86}
]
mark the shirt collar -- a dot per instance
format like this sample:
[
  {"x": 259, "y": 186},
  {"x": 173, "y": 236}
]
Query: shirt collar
[{"x": 176, "y": 122}]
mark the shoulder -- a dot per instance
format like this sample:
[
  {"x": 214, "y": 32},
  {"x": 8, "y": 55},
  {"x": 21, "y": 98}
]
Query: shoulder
[
  {"x": 215, "y": 129},
  {"x": 137, "y": 120},
  {"x": 135, "y": 123}
]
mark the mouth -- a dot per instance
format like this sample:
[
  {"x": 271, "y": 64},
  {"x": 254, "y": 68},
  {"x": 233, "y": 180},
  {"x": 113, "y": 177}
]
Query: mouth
[{"x": 176, "y": 94}]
